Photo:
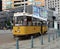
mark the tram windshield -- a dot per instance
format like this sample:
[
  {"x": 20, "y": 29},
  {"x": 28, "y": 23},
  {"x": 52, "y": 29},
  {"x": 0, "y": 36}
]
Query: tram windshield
[
  {"x": 22, "y": 20},
  {"x": 27, "y": 21}
]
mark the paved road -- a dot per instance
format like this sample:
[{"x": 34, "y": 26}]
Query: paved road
[
  {"x": 7, "y": 42},
  {"x": 5, "y": 31},
  {"x": 6, "y": 36},
  {"x": 26, "y": 44}
]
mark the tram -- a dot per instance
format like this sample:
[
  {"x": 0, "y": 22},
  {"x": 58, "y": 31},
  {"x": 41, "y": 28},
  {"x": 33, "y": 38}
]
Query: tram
[{"x": 25, "y": 24}]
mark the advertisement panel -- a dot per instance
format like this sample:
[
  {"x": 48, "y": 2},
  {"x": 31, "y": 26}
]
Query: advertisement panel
[
  {"x": 31, "y": 0},
  {"x": 40, "y": 12},
  {"x": 35, "y": 11},
  {"x": 43, "y": 12}
]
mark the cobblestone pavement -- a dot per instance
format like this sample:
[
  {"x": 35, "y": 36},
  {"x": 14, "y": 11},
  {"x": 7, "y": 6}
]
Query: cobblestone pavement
[{"x": 26, "y": 44}]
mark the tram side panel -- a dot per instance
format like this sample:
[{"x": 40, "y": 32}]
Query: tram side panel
[
  {"x": 19, "y": 30},
  {"x": 33, "y": 29},
  {"x": 26, "y": 30},
  {"x": 44, "y": 29}
]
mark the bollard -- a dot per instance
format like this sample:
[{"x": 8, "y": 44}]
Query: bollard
[
  {"x": 17, "y": 43},
  {"x": 48, "y": 37},
  {"x": 53, "y": 36},
  {"x": 31, "y": 41},
  {"x": 41, "y": 39},
  {"x": 56, "y": 35}
]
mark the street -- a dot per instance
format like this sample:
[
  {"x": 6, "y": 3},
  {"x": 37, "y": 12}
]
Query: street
[
  {"x": 6, "y": 37},
  {"x": 7, "y": 42}
]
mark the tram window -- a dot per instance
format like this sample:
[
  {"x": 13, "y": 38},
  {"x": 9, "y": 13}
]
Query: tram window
[
  {"x": 29, "y": 23},
  {"x": 39, "y": 24},
  {"x": 18, "y": 20},
  {"x": 35, "y": 24},
  {"x": 44, "y": 24},
  {"x": 21, "y": 21},
  {"x": 25, "y": 22}
]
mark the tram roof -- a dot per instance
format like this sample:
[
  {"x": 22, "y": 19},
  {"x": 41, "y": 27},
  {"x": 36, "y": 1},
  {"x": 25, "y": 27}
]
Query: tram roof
[{"x": 27, "y": 14}]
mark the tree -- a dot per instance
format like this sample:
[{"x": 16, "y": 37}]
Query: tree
[{"x": 8, "y": 23}]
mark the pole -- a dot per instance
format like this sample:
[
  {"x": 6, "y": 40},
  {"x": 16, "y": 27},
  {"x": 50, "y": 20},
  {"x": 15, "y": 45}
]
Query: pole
[
  {"x": 53, "y": 36},
  {"x": 24, "y": 6},
  {"x": 42, "y": 40},
  {"x": 56, "y": 35},
  {"x": 48, "y": 37},
  {"x": 17, "y": 43},
  {"x": 31, "y": 41},
  {"x": 41, "y": 33}
]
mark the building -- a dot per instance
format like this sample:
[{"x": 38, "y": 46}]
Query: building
[
  {"x": 54, "y": 5},
  {"x": 9, "y": 4},
  {"x": 0, "y": 5},
  {"x": 9, "y": 7},
  {"x": 6, "y": 4},
  {"x": 18, "y": 3}
]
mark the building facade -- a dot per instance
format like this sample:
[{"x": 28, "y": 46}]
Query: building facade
[
  {"x": 9, "y": 4},
  {"x": 53, "y": 4},
  {"x": 0, "y": 5},
  {"x": 18, "y": 3},
  {"x": 6, "y": 4}
]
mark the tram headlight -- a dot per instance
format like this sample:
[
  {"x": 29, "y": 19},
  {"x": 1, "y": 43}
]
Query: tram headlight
[{"x": 18, "y": 30}]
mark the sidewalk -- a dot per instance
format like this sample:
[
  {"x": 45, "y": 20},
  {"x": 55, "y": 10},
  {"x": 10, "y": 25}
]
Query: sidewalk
[
  {"x": 5, "y": 31},
  {"x": 26, "y": 44}
]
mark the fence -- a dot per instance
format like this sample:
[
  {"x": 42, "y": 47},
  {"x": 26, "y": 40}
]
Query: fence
[{"x": 45, "y": 41}]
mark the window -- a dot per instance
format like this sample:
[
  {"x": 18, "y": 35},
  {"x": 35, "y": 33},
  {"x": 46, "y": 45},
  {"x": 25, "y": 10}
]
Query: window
[
  {"x": 20, "y": 20},
  {"x": 58, "y": 8},
  {"x": 55, "y": 0},
  {"x": 17, "y": 5},
  {"x": 22, "y": 4},
  {"x": 26, "y": 0},
  {"x": 55, "y": 6},
  {"x": 26, "y": 4},
  {"x": 22, "y": 10},
  {"x": 23, "y": 0},
  {"x": 16, "y": 1},
  {"x": 58, "y": 5},
  {"x": 39, "y": 24}
]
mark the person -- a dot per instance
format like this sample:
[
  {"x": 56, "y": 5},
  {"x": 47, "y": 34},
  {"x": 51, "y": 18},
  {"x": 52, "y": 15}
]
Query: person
[{"x": 19, "y": 22}]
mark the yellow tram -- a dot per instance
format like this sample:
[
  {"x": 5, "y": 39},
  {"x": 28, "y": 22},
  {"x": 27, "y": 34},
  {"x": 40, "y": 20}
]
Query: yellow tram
[{"x": 25, "y": 24}]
